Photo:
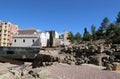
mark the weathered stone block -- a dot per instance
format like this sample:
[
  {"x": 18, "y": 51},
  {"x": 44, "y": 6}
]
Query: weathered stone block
[{"x": 116, "y": 66}]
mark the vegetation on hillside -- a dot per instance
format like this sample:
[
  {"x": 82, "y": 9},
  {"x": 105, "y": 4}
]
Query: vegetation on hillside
[{"x": 110, "y": 31}]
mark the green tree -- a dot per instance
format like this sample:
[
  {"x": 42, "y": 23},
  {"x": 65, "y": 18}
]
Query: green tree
[
  {"x": 110, "y": 30},
  {"x": 116, "y": 37},
  {"x": 93, "y": 31},
  {"x": 99, "y": 34},
  {"x": 118, "y": 18},
  {"x": 102, "y": 29},
  {"x": 113, "y": 34},
  {"x": 77, "y": 37},
  {"x": 51, "y": 39},
  {"x": 86, "y": 35},
  {"x": 104, "y": 24},
  {"x": 117, "y": 22},
  {"x": 71, "y": 37}
]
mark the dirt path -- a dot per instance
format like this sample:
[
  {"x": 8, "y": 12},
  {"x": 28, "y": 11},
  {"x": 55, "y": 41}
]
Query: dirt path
[
  {"x": 81, "y": 72},
  {"x": 65, "y": 71}
]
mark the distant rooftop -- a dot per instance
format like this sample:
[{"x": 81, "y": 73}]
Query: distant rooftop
[{"x": 28, "y": 31}]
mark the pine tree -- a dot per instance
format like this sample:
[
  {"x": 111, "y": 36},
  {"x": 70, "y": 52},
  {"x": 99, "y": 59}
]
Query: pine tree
[
  {"x": 77, "y": 37},
  {"x": 113, "y": 34},
  {"x": 86, "y": 35},
  {"x": 104, "y": 24},
  {"x": 118, "y": 18},
  {"x": 102, "y": 29},
  {"x": 117, "y": 23},
  {"x": 51, "y": 39},
  {"x": 93, "y": 31},
  {"x": 71, "y": 37}
]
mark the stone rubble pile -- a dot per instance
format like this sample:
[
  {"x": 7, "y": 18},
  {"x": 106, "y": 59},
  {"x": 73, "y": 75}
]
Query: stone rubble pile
[
  {"x": 98, "y": 54},
  {"x": 102, "y": 54}
]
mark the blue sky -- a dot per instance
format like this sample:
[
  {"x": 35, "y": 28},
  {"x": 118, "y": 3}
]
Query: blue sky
[{"x": 59, "y": 15}]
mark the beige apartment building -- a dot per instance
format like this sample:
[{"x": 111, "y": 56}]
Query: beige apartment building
[{"x": 7, "y": 30}]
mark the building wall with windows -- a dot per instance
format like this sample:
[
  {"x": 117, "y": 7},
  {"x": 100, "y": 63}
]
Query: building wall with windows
[
  {"x": 30, "y": 37},
  {"x": 26, "y": 40},
  {"x": 7, "y": 30}
]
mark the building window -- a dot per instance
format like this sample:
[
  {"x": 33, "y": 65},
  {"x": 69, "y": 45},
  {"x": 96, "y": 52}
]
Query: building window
[
  {"x": 23, "y": 40},
  {"x": 15, "y": 40},
  {"x": 5, "y": 22},
  {"x": 33, "y": 40}
]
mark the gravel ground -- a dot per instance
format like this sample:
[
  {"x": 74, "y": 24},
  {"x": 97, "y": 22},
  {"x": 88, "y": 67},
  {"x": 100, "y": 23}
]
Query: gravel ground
[
  {"x": 81, "y": 72},
  {"x": 4, "y": 66},
  {"x": 64, "y": 71}
]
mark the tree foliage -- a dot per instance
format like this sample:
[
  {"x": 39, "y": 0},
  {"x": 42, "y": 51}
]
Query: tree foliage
[
  {"x": 77, "y": 37},
  {"x": 118, "y": 18},
  {"x": 71, "y": 37},
  {"x": 108, "y": 31},
  {"x": 93, "y": 31},
  {"x": 101, "y": 33},
  {"x": 51, "y": 39},
  {"x": 104, "y": 24},
  {"x": 86, "y": 35},
  {"x": 113, "y": 34}
]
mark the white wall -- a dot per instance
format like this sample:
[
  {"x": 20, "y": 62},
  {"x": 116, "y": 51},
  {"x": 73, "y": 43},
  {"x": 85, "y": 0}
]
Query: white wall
[
  {"x": 56, "y": 34},
  {"x": 44, "y": 36},
  {"x": 28, "y": 41}
]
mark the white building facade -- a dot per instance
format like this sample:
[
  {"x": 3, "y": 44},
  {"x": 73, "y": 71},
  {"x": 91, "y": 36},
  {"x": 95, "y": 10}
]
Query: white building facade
[
  {"x": 33, "y": 37},
  {"x": 26, "y": 40},
  {"x": 44, "y": 37}
]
